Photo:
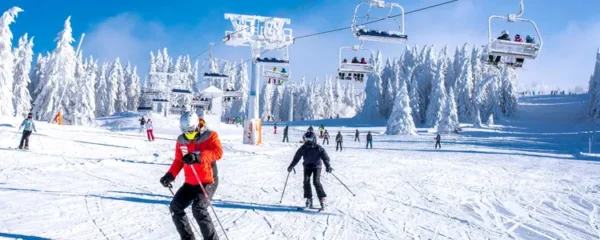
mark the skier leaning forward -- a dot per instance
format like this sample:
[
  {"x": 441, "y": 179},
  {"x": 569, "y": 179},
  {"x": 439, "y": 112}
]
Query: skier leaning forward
[
  {"x": 198, "y": 148},
  {"x": 313, "y": 155},
  {"x": 28, "y": 125}
]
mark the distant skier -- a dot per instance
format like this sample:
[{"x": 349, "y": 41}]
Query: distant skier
[
  {"x": 356, "y": 136},
  {"x": 142, "y": 123},
  {"x": 339, "y": 139},
  {"x": 369, "y": 140},
  {"x": 28, "y": 125},
  {"x": 325, "y": 137},
  {"x": 150, "y": 130},
  {"x": 310, "y": 129},
  {"x": 274, "y": 128},
  {"x": 285, "y": 134},
  {"x": 196, "y": 152},
  {"x": 314, "y": 156},
  {"x": 321, "y": 129},
  {"x": 438, "y": 140}
]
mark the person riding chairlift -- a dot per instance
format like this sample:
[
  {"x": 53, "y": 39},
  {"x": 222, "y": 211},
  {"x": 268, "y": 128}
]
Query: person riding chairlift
[
  {"x": 529, "y": 39},
  {"x": 283, "y": 71},
  {"x": 363, "y": 61},
  {"x": 519, "y": 61},
  {"x": 345, "y": 61},
  {"x": 274, "y": 69},
  {"x": 355, "y": 60},
  {"x": 504, "y": 37}
]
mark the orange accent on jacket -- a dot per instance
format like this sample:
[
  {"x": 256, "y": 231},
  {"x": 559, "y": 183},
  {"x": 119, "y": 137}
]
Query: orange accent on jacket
[{"x": 209, "y": 147}]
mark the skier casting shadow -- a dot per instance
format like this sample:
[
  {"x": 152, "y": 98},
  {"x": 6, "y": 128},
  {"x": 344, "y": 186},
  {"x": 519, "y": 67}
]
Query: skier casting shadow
[
  {"x": 196, "y": 152},
  {"x": 314, "y": 157}
]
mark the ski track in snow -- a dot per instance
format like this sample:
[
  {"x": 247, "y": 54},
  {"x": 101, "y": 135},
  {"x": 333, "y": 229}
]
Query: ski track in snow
[{"x": 522, "y": 179}]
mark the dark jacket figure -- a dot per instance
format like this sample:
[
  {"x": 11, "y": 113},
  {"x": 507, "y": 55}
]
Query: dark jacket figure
[
  {"x": 285, "y": 134},
  {"x": 369, "y": 140},
  {"x": 275, "y": 128},
  {"x": 325, "y": 137},
  {"x": 504, "y": 37},
  {"x": 529, "y": 39},
  {"x": 339, "y": 139},
  {"x": 438, "y": 140},
  {"x": 28, "y": 125},
  {"x": 356, "y": 136},
  {"x": 355, "y": 60},
  {"x": 314, "y": 157},
  {"x": 142, "y": 123}
]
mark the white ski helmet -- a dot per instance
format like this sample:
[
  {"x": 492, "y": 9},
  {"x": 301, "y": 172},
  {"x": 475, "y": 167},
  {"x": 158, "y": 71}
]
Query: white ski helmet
[
  {"x": 188, "y": 122},
  {"x": 504, "y": 32}
]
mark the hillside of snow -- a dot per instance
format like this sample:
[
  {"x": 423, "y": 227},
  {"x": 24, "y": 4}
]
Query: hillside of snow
[{"x": 525, "y": 178}]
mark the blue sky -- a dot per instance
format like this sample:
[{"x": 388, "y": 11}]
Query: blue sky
[{"x": 131, "y": 29}]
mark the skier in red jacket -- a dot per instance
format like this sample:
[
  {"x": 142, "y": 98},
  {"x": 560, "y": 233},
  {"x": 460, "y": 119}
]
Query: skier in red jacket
[{"x": 196, "y": 152}]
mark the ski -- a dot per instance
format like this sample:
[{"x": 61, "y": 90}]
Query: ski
[{"x": 311, "y": 208}]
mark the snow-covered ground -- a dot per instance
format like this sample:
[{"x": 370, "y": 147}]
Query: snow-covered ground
[{"x": 524, "y": 178}]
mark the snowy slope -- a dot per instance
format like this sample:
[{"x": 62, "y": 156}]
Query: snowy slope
[{"x": 522, "y": 179}]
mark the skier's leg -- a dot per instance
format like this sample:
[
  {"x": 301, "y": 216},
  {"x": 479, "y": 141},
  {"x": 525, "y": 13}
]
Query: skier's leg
[
  {"x": 200, "y": 211},
  {"x": 27, "y": 134},
  {"x": 22, "y": 142},
  {"x": 152, "y": 134},
  {"x": 306, "y": 183},
  {"x": 184, "y": 196},
  {"x": 318, "y": 185},
  {"x": 148, "y": 133}
]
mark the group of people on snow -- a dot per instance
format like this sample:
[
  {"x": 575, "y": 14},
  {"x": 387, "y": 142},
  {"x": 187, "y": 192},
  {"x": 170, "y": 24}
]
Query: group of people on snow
[
  {"x": 504, "y": 36},
  {"x": 147, "y": 124}
]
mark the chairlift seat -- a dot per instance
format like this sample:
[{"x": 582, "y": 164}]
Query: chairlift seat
[
  {"x": 215, "y": 76},
  {"x": 160, "y": 100},
  {"x": 144, "y": 108},
  {"x": 381, "y": 36},
  {"x": 355, "y": 68},
  {"x": 277, "y": 75},
  {"x": 234, "y": 94},
  {"x": 514, "y": 49},
  {"x": 197, "y": 102},
  {"x": 181, "y": 91},
  {"x": 273, "y": 61}
]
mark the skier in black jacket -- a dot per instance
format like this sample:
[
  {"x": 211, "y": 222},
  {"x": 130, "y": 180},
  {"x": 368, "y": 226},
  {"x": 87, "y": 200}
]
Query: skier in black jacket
[
  {"x": 504, "y": 37},
  {"x": 285, "y": 134},
  {"x": 356, "y": 136},
  {"x": 314, "y": 157},
  {"x": 339, "y": 139}
]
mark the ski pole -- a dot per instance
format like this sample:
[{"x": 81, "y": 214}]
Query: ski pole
[
  {"x": 171, "y": 190},
  {"x": 344, "y": 184},
  {"x": 286, "y": 180},
  {"x": 208, "y": 199}
]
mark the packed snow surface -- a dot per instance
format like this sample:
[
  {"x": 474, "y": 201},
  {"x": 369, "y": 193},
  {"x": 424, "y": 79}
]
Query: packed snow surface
[{"x": 524, "y": 178}]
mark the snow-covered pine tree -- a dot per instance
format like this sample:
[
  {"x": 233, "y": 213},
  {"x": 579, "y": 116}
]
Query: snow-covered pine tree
[
  {"x": 7, "y": 62},
  {"x": 509, "y": 92},
  {"x": 278, "y": 102},
  {"x": 464, "y": 88},
  {"x": 85, "y": 102},
  {"x": 338, "y": 95},
  {"x": 438, "y": 97},
  {"x": 450, "y": 77},
  {"x": 23, "y": 56},
  {"x": 387, "y": 97},
  {"x": 370, "y": 109},
  {"x": 132, "y": 81},
  {"x": 476, "y": 65},
  {"x": 400, "y": 121},
  {"x": 121, "y": 102},
  {"x": 328, "y": 100},
  {"x": 477, "y": 119},
  {"x": 426, "y": 76},
  {"x": 240, "y": 105},
  {"x": 59, "y": 74},
  {"x": 36, "y": 75},
  {"x": 594, "y": 90},
  {"x": 448, "y": 123},
  {"x": 102, "y": 91},
  {"x": 112, "y": 83},
  {"x": 266, "y": 102}
]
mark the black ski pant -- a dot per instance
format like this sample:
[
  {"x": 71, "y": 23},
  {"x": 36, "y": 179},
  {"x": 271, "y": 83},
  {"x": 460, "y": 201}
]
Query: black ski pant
[
  {"x": 325, "y": 139},
  {"x": 369, "y": 142},
  {"x": 316, "y": 173},
  {"x": 438, "y": 144},
  {"x": 285, "y": 138},
  {"x": 25, "y": 139},
  {"x": 192, "y": 194},
  {"x": 338, "y": 145},
  {"x": 356, "y": 138}
]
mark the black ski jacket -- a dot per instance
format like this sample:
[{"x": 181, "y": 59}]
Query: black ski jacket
[
  {"x": 313, "y": 154},
  {"x": 339, "y": 138},
  {"x": 285, "y": 130},
  {"x": 504, "y": 37},
  {"x": 369, "y": 137}
]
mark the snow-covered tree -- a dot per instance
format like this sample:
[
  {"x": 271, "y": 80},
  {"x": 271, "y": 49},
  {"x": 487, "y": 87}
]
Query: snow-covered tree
[
  {"x": 85, "y": 104},
  {"x": 36, "y": 75},
  {"x": 508, "y": 92},
  {"x": 387, "y": 82},
  {"x": 449, "y": 121},
  {"x": 266, "y": 102},
  {"x": 132, "y": 81},
  {"x": 438, "y": 97},
  {"x": 477, "y": 119},
  {"x": 23, "y": 56},
  {"x": 7, "y": 62},
  {"x": 121, "y": 102},
  {"x": 328, "y": 99},
  {"x": 400, "y": 121},
  {"x": 112, "y": 83},
  {"x": 370, "y": 109},
  {"x": 594, "y": 90},
  {"x": 102, "y": 92},
  {"x": 59, "y": 79},
  {"x": 464, "y": 88},
  {"x": 240, "y": 105},
  {"x": 338, "y": 99}
]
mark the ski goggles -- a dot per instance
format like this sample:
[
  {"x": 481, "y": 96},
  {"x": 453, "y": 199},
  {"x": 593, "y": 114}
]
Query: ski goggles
[{"x": 309, "y": 139}]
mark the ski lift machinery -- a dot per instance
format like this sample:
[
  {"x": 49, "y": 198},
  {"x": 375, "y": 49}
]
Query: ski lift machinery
[
  {"x": 363, "y": 33},
  {"x": 212, "y": 72},
  {"x": 512, "y": 49}
]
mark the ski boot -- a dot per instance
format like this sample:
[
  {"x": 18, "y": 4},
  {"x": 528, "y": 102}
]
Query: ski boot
[
  {"x": 322, "y": 201},
  {"x": 309, "y": 203},
  {"x": 27, "y": 147}
]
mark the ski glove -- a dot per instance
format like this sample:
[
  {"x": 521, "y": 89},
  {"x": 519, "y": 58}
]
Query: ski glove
[
  {"x": 290, "y": 168},
  {"x": 191, "y": 158},
  {"x": 167, "y": 179},
  {"x": 329, "y": 169}
]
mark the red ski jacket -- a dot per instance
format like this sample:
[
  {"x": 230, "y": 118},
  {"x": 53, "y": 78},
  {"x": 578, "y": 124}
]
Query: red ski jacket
[{"x": 209, "y": 148}]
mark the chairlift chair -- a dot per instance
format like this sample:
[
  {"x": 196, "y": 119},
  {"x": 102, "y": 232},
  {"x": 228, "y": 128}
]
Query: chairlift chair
[
  {"x": 212, "y": 67},
  {"x": 390, "y": 36},
  {"x": 512, "y": 49},
  {"x": 181, "y": 91},
  {"x": 348, "y": 70}
]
